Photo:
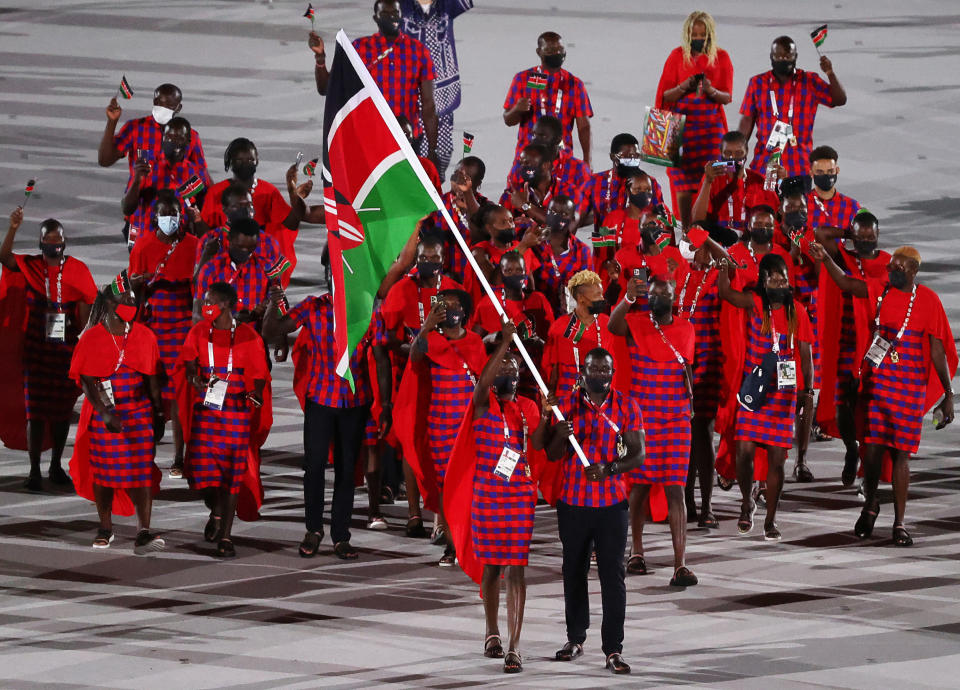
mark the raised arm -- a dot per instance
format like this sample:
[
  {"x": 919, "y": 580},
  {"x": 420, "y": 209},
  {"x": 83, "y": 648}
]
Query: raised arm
[
  {"x": 854, "y": 286},
  {"x": 6, "y": 249},
  {"x": 618, "y": 319},
  {"x": 320, "y": 73},
  {"x": 838, "y": 95},
  {"x": 481, "y": 400},
  {"x": 743, "y": 300},
  {"x": 275, "y": 327},
  {"x": 107, "y": 153}
]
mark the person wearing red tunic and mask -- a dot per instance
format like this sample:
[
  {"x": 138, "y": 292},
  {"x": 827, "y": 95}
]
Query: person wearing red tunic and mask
[
  {"x": 696, "y": 81},
  {"x": 572, "y": 336},
  {"x": 650, "y": 252},
  {"x": 530, "y": 311},
  {"x": 622, "y": 224},
  {"x": 44, "y": 304},
  {"x": 445, "y": 361},
  {"x": 655, "y": 351},
  {"x": 777, "y": 329},
  {"x": 907, "y": 360},
  {"x": 842, "y": 315},
  {"x": 117, "y": 363},
  {"x": 561, "y": 254},
  {"x": 497, "y": 225},
  {"x": 162, "y": 263},
  {"x": 727, "y": 188}
]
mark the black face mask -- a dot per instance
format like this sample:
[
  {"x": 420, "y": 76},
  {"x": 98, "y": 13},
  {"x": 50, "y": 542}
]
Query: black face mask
[
  {"x": 428, "y": 269},
  {"x": 453, "y": 318},
  {"x": 597, "y": 307},
  {"x": 172, "y": 150},
  {"x": 554, "y": 61},
  {"x": 514, "y": 282},
  {"x": 897, "y": 277},
  {"x": 778, "y": 295},
  {"x": 529, "y": 175},
  {"x": 697, "y": 44},
  {"x": 597, "y": 384},
  {"x": 795, "y": 219},
  {"x": 505, "y": 236},
  {"x": 761, "y": 235},
  {"x": 864, "y": 247},
  {"x": 52, "y": 251},
  {"x": 240, "y": 213},
  {"x": 825, "y": 182},
  {"x": 389, "y": 26},
  {"x": 660, "y": 305},
  {"x": 239, "y": 256},
  {"x": 504, "y": 384},
  {"x": 244, "y": 171},
  {"x": 556, "y": 222},
  {"x": 783, "y": 68},
  {"x": 641, "y": 200}
]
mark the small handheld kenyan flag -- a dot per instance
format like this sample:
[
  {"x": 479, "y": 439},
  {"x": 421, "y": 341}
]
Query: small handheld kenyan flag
[
  {"x": 467, "y": 142},
  {"x": 190, "y": 188},
  {"x": 279, "y": 267},
  {"x": 819, "y": 35},
  {"x": 283, "y": 304},
  {"x": 309, "y": 14},
  {"x": 121, "y": 284},
  {"x": 664, "y": 239},
  {"x": 311, "y": 167},
  {"x": 537, "y": 82},
  {"x": 27, "y": 191},
  {"x": 125, "y": 89}
]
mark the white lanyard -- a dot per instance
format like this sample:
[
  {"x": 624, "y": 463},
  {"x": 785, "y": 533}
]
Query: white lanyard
[
  {"x": 906, "y": 319},
  {"x": 59, "y": 282},
  {"x": 676, "y": 352},
  {"x": 599, "y": 411},
  {"x": 773, "y": 99},
  {"x": 420, "y": 301},
  {"x": 121, "y": 349},
  {"x": 163, "y": 261},
  {"x": 233, "y": 330},
  {"x": 576, "y": 337},
  {"x": 696, "y": 295},
  {"x": 776, "y": 336},
  {"x": 506, "y": 429}
]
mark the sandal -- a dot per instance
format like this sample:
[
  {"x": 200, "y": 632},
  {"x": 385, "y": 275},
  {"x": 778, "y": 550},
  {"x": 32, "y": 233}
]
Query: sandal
[
  {"x": 386, "y": 496},
  {"x": 147, "y": 543},
  {"x": 759, "y": 494},
  {"x": 415, "y": 528},
  {"x": 864, "y": 526},
  {"x": 176, "y": 469},
  {"x": 569, "y": 652},
  {"x": 745, "y": 523},
  {"x": 225, "y": 549},
  {"x": 310, "y": 544},
  {"x": 439, "y": 536},
  {"x": 34, "y": 482},
  {"x": 709, "y": 520},
  {"x": 683, "y": 577},
  {"x": 512, "y": 663},
  {"x": 802, "y": 473},
  {"x": 377, "y": 523},
  {"x": 448, "y": 559},
  {"x": 901, "y": 537},
  {"x": 851, "y": 461},
  {"x": 636, "y": 565},
  {"x": 345, "y": 552},
  {"x": 103, "y": 539},
  {"x": 771, "y": 533},
  {"x": 212, "y": 528},
  {"x": 724, "y": 483},
  {"x": 59, "y": 477},
  {"x": 495, "y": 650}
]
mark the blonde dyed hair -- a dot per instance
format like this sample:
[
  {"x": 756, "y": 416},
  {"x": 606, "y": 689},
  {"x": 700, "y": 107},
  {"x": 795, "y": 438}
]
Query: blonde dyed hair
[
  {"x": 909, "y": 253},
  {"x": 582, "y": 278},
  {"x": 710, "y": 46}
]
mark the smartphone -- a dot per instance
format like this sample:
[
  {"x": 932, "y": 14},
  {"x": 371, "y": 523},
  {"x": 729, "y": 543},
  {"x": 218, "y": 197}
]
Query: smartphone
[
  {"x": 698, "y": 77},
  {"x": 434, "y": 299},
  {"x": 726, "y": 166},
  {"x": 640, "y": 274},
  {"x": 141, "y": 156},
  {"x": 299, "y": 159}
]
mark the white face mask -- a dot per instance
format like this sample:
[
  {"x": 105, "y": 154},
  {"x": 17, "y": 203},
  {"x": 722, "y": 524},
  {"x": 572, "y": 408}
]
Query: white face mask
[
  {"x": 162, "y": 115},
  {"x": 168, "y": 224},
  {"x": 686, "y": 250}
]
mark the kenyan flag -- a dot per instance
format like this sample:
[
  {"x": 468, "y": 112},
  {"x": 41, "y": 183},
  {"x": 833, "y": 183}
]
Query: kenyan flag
[
  {"x": 375, "y": 192},
  {"x": 125, "y": 90},
  {"x": 537, "y": 82},
  {"x": 190, "y": 188},
  {"x": 310, "y": 167},
  {"x": 280, "y": 266},
  {"x": 819, "y": 35}
]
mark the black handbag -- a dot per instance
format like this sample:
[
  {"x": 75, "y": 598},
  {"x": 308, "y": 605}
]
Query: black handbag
[{"x": 753, "y": 390}]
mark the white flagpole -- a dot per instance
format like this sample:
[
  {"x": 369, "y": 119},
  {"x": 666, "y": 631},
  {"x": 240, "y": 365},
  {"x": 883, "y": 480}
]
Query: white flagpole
[{"x": 414, "y": 161}]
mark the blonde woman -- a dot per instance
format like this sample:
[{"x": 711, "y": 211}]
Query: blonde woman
[{"x": 697, "y": 79}]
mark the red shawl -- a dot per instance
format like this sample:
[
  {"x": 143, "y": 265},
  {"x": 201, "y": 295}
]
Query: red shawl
[
  {"x": 150, "y": 250},
  {"x": 458, "y": 485},
  {"x": 400, "y": 306},
  {"x": 413, "y": 401},
  {"x": 676, "y": 70},
  {"x": 96, "y": 355}
]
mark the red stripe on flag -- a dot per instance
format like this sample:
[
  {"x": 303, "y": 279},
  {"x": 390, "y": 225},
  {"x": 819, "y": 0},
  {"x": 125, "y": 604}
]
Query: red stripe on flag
[{"x": 351, "y": 167}]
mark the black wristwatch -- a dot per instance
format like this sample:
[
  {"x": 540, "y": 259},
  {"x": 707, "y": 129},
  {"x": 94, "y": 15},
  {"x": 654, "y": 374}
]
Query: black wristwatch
[{"x": 612, "y": 468}]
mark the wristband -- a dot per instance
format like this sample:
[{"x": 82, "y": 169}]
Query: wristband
[
  {"x": 626, "y": 298},
  {"x": 612, "y": 468}
]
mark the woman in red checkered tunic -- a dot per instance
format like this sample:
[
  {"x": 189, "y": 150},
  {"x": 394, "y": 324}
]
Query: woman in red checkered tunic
[
  {"x": 44, "y": 301},
  {"x": 445, "y": 361},
  {"x": 778, "y": 325},
  {"x": 696, "y": 81},
  {"x": 907, "y": 359},
  {"x": 162, "y": 261},
  {"x": 494, "y": 471},
  {"x": 116, "y": 362},
  {"x": 655, "y": 350},
  {"x": 225, "y": 364}
]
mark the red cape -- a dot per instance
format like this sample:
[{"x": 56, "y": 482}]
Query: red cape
[
  {"x": 96, "y": 355},
  {"x": 676, "y": 69},
  {"x": 251, "y": 489},
  {"x": 458, "y": 485},
  {"x": 413, "y": 401}
]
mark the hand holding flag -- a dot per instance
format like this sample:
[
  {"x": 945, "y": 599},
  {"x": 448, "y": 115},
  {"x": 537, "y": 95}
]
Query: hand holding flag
[
  {"x": 819, "y": 35},
  {"x": 27, "y": 191},
  {"x": 124, "y": 89},
  {"x": 309, "y": 14}
]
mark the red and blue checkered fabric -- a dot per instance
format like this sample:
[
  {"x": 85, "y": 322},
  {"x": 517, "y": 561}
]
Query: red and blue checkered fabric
[
  {"x": 599, "y": 443},
  {"x": 708, "y": 351},
  {"x": 836, "y": 212},
  {"x": 563, "y": 90},
  {"x": 398, "y": 73},
  {"x": 661, "y": 390},
  {"x": 555, "y": 271},
  {"x": 163, "y": 175},
  {"x": 807, "y": 91},
  {"x": 124, "y": 460},
  {"x": 170, "y": 317},
  {"x": 502, "y": 511},
  {"x": 892, "y": 395},
  {"x": 705, "y": 126},
  {"x": 49, "y": 393},
  {"x": 772, "y": 425},
  {"x": 570, "y": 172},
  {"x": 567, "y": 356},
  {"x": 454, "y": 260},
  {"x": 806, "y": 291},
  {"x": 604, "y": 192},
  {"x": 144, "y": 134},
  {"x": 324, "y": 386},
  {"x": 452, "y": 390},
  {"x": 250, "y": 279},
  {"x": 267, "y": 248}
]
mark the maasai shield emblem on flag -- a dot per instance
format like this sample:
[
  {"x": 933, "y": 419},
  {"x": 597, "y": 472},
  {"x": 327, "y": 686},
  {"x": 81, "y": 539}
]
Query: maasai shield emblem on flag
[
  {"x": 467, "y": 142},
  {"x": 125, "y": 90},
  {"x": 537, "y": 82},
  {"x": 190, "y": 188},
  {"x": 819, "y": 35},
  {"x": 375, "y": 193}
]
